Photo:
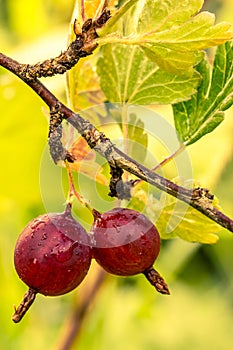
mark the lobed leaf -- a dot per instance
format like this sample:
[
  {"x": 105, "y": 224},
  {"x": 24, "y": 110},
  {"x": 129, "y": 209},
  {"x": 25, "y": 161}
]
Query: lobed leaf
[
  {"x": 174, "y": 218},
  {"x": 171, "y": 33},
  {"x": 160, "y": 15},
  {"x": 177, "y": 48},
  {"x": 117, "y": 16},
  {"x": 187, "y": 224},
  {"x": 205, "y": 110},
  {"x": 138, "y": 137},
  {"x": 127, "y": 75},
  {"x": 84, "y": 90}
]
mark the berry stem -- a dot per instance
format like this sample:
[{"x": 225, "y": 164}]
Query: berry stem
[
  {"x": 169, "y": 158},
  {"x": 73, "y": 192},
  {"x": 156, "y": 280},
  {"x": 25, "y": 304},
  {"x": 96, "y": 214}
]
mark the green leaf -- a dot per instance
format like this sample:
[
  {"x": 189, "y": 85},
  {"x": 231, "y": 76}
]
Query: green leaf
[
  {"x": 139, "y": 138},
  {"x": 127, "y": 75},
  {"x": 117, "y": 16},
  {"x": 136, "y": 136},
  {"x": 177, "y": 48},
  {"x": 171, "y": 33},
  {"x": 84, "y": 93},
  {"x": 174, "y": 218},
  {"x": 171, "y": 60},
  {"x": 205, "y": 110},
  {"x": 160, "y": 15},
  {"x": 178, "y": 220}
]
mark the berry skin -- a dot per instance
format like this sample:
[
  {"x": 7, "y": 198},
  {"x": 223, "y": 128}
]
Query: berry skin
[
  {"x": 126, "y": 243},
  {"x": 53, "y": 254}
]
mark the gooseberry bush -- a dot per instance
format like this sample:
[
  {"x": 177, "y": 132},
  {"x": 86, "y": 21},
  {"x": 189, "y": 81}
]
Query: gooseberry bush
[{"x": 122, "y": 55}]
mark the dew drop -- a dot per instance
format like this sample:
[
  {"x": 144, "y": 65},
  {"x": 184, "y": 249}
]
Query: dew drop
[
  {"x": 117, "y": 228},
  {"x": 63, "y": 252},
  {"x": 35, "y": 261},
  {"x": 44, "y": 236},
  {"x": 36, "y": 223}
]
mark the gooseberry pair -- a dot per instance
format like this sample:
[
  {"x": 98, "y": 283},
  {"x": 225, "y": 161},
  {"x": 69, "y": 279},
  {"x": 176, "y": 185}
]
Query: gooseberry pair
[{"x": 53, "y": 253}]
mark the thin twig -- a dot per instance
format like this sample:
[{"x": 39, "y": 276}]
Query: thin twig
[
  {"x": 169, "y": 158},
  {"x": 79, "y": 312},
  {"x": 117, "y": 158}
]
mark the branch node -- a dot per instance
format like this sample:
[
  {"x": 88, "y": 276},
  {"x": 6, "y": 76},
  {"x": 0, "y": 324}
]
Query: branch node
[
  {"x": 103, "y": 18},
  {"x": 203, "y": 197},
  {"x": 92, "y": 136},
  {"x": 82, "y": 46},
  {"x": 119, "y": 188},
  {"x": 200, "y": 192}
]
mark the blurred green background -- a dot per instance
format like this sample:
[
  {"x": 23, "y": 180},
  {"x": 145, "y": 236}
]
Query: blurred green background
[{"x": 126, "y": 313}]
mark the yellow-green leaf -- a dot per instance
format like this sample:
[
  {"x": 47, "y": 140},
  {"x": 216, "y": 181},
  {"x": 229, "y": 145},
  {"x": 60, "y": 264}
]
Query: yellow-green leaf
[
  {"x": 177, "y": 48},
  {"x": 171, "y": 33},
  {"x": 174, "y": 218},
  {"x": 127, "y": 75},
  {"x": 179, "y": 220},
  {"x": 160, "y": 15}
]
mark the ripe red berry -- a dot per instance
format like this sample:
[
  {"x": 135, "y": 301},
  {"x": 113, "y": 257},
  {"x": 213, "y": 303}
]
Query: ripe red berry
[
  {"x": 53, "y": 254},
  {"x": 126, "y": 243}
]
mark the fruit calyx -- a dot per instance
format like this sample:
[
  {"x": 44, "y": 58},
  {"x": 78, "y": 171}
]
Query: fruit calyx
[
  {"x": 25, "y": 304},
  {"x": 156, "y": 280}
]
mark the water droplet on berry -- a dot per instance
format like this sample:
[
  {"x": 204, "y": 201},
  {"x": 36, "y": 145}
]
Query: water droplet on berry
[
  {"x": 36, "y": 223},
  {"x": 48, "y": 247},
  {"x": 44, "y": 236},
  {"x": 126, "y": 242}
]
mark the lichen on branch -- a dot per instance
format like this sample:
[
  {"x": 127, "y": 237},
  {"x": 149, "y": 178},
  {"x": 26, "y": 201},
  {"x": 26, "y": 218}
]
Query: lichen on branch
[
  {"x": 198, "y": 199},
  {"x": 82, "y": 46}
]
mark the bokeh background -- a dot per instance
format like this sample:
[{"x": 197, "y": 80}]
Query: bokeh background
[{"x": 125, "y": 313}]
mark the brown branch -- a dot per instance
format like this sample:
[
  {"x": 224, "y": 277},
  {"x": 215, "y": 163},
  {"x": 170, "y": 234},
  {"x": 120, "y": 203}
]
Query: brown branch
[
  {"x": 80, "y": 311},
  {"x": 82, "y": 46},
  {"x": 200, "y": 200}
]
